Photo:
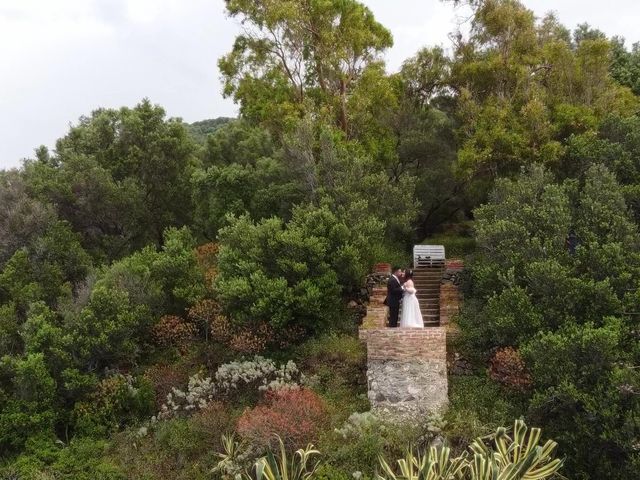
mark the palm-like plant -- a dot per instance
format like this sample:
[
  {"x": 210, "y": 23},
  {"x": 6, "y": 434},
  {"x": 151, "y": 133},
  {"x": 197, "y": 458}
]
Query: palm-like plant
[
  {"x": 517, "y": 458},
  {"x": 436, "y": 464},
  {"x": 301, "y": 466}
]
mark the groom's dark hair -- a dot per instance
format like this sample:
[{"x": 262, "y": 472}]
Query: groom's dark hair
[{"x": 395, "y": 269}]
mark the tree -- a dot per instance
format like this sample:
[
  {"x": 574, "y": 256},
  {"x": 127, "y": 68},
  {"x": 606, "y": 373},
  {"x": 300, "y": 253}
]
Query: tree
[
  {"x": 261, "y": 190},
  {"x": 625, "y": 68},
  {"x": 291, "y": 275},
  {"x": 109, "y": 215},
  {"x": 614, "y": 145},
  {"x": 237, "y": 142},
  {"x": 165, "y": 280},
  {"x": 200, "y": 131},
  {"x": 129, "y": 163},
  {"x": 533, "y": 294},
  {"x": 51, "y": 267},
  {"x": 28, "y": 394},
  {"x": 523, "y": 87},
  {"x": 22, "y": 218},
  {"x": 293, "y": 54}
]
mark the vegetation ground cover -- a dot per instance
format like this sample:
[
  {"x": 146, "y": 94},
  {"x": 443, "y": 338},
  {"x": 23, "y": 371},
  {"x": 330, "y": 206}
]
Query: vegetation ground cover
[{"x": 164, "y": 284}]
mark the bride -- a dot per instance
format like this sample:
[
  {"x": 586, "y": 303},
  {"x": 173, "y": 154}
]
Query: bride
[{"x": 411, "y": 315}]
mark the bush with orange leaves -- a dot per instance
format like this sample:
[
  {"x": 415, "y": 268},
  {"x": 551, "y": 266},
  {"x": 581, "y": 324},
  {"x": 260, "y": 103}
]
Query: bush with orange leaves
[
  {"x": 296, "y": 415},
  {"x": 508, "y": 368},
  {"x": 207, "y": 256},
  {"x": 249, "y": 339},
  {"x": 172, "y": 331}
]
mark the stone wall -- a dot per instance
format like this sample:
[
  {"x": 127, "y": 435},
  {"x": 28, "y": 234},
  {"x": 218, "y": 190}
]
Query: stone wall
[
  {"x": 449, "y": 295},
  {"x": 406, "y": 370},
  {"x": 376, "y": 310}
]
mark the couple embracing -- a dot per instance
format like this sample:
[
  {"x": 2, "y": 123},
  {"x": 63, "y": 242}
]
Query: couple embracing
[{"x": 400, "y": 289}]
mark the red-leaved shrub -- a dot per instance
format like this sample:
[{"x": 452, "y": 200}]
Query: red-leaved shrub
[
  {"x": 297, "y": 416},
  {"x": 507, "y": 367}
]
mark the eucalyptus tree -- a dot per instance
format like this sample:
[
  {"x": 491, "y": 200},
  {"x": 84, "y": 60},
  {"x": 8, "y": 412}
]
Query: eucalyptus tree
[{"x": 293, "y": 56}]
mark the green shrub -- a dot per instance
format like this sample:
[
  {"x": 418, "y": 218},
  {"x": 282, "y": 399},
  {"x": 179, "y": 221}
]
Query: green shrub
[
  {"x": 337, "y": 365},
  {"x": 393, "y": 254},
  {"x": 294, "y": 274},
  {"x": 327, "y": 471},
  {"x": 455, "y": 246},
  {"x": 174, "y": 449},
  {"x": 117, "y": 401},
  {"x": 82, "y": 459},
  {"x": 477, "y": 406},
  {"x": 365, "y": 441},
  {"x": 27, "y": 401}
]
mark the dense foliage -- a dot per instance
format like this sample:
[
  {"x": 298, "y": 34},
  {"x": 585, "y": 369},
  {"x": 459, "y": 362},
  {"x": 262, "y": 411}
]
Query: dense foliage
[
  {"x": 145, "y": 262},
  {"x": 536, "y": 293}
]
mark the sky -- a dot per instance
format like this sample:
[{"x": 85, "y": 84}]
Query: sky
[{"x": 62, "y": 59}]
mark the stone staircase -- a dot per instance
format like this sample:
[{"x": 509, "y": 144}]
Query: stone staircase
[{"x": 427, "y": 281}]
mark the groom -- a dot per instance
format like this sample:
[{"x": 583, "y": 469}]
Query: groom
[{"x": 394, "y": 295}]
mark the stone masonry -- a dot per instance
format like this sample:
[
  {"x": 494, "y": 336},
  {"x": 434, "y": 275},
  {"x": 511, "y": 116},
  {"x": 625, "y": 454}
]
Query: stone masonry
[
  {"x": 376, "y": 310},
  {"x": 449, "y": 295},
  {"x": 406, "y": 370}
]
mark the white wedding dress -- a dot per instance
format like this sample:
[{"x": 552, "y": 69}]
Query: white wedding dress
[{"x": 411, "y": 315}]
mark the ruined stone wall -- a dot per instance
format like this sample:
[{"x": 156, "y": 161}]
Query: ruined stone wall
[
  {"x": 376, "y": 310},
  {"x": 406, "y": 369},
  {"x": 449, "y": 294}
]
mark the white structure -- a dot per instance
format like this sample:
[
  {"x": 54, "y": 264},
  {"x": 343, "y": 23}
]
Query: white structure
[{"x": 428, "y": 256}]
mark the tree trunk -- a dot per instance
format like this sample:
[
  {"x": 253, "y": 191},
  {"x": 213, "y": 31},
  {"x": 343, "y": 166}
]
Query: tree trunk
[{"x": 343, "y": 108}]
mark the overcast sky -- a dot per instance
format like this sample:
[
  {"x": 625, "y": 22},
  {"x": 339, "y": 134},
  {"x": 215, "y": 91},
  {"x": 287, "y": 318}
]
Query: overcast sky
[{"x": 61, "y": 59}]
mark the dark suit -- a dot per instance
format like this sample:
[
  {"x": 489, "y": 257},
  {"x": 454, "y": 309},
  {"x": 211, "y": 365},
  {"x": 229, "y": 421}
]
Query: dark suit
[{"x": 394, "y": 297}]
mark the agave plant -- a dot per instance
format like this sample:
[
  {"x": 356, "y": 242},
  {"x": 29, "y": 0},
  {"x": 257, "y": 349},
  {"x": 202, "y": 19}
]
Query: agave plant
[
  {"x": 517, "y": 458},
  {"x": 436, "y": 464},
  {"x": 301, "y": 466},
  {"x": 230, "y": 464}
]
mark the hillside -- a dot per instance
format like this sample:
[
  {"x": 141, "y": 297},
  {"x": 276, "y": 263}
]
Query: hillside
[
  {"x": 202, "y": 129},
  {"x": 183, "y": 301}
]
